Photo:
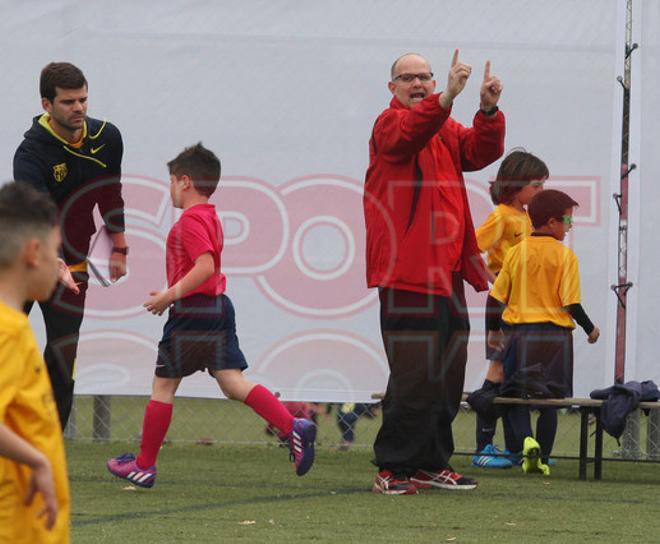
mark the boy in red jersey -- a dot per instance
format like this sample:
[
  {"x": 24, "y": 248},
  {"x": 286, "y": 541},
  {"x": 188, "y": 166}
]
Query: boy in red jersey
[{"x": 200, "y": 332}]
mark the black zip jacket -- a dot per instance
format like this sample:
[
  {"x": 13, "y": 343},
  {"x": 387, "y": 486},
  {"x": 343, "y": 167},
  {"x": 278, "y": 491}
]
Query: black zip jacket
[{"x": 78, "y": 178}]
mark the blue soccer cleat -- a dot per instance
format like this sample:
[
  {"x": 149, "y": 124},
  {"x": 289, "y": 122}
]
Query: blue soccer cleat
[{"x": 491, "y": 457}]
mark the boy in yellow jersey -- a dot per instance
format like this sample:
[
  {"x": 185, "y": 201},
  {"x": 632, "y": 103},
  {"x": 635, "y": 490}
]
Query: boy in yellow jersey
[
  {"x": 520, "y": 176},
  {"x": 34, "y": 490},
  {"x": 538, "y": 289}
]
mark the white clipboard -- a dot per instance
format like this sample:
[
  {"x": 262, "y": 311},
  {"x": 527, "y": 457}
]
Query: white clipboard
[{"x": 98, "y": 258}]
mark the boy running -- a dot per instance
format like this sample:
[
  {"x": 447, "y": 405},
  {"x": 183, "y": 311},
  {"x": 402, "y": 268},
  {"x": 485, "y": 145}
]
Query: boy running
[{"x": 200, "y": 332}]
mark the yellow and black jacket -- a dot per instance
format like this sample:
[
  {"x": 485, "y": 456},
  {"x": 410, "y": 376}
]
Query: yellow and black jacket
[{"x": 77, "y": 176}]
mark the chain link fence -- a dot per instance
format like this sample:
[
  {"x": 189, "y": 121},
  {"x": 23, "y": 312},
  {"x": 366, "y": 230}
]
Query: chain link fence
[{"x": 341, "y": 426}]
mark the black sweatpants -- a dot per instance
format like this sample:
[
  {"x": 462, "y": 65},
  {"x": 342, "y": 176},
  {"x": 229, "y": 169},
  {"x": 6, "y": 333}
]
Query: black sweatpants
[
  {"x": 425, "y": 338},
  {"x": 63, "y": 314}
]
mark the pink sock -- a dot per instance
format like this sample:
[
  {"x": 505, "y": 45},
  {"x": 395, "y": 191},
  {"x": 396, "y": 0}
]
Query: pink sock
[
  {"x": 157, "y": 418},
  {"x": 264, "y": 403}
]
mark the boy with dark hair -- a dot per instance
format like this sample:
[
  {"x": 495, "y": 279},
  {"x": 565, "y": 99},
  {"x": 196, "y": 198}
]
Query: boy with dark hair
[
  {"x": 520, "y": 176},
  {"x": 32, "y": 459},
  {"x": 200, "y": 332},
  {"x": 76, "y": 160},
  {"x": 538, "y": 289},
  {"x": 201, "y": 165}
]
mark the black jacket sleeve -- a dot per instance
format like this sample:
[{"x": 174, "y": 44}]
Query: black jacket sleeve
[
  {"x": 494, "y": 309},
  {"x": 581, "y": 318},
  {"x": 110, "y": 201},
  {"x": 28, "y": 169}
]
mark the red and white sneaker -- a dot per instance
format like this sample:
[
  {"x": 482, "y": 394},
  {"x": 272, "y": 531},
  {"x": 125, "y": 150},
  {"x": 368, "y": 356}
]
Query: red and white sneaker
[
  {"x": 442, "y": 479},
  {"x": 388, "y": 484}
]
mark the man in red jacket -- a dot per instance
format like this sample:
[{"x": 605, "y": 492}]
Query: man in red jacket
[{"x": 420, "y": 247}]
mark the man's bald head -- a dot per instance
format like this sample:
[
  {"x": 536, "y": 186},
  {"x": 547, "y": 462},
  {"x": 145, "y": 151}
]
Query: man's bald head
[
  {"x": 396, "y": 63},
  {"x": 412, "y": 80}
]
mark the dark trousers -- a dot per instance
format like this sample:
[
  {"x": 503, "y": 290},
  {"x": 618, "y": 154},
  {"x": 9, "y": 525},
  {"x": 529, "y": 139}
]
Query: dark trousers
[
  {"x": 63, "y": 314},
  {"x": 425, "y": 338}
]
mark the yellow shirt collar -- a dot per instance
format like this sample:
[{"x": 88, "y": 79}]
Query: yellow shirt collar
[{"x": 44, "y": 121}]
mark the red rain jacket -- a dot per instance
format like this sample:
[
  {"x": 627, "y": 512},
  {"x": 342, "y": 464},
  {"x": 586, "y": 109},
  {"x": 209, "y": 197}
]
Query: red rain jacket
[{"x": 405, "y": 207}]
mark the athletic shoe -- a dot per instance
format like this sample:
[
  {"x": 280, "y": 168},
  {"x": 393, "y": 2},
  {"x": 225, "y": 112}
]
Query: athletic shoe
[
  {"x": 491, "y": 457},
  {"x": 442, "y": 479},
  {"x": 301, "y": 445},
  {"x": 532, "y": 458},
  {"x": 389, "y": 484},
  {"x": 515, "y": 458},
  {"x": 125, "y": 467}
]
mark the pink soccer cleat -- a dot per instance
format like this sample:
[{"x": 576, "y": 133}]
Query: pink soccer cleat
[{"x": 126, "y": 467}]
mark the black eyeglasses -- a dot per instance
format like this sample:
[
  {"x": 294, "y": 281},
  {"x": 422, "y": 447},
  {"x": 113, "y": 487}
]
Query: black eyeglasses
[{"x": 409, "y": 78}]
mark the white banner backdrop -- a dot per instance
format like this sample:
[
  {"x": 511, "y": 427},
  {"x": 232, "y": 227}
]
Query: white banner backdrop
[{"x": 286, "y": 93}]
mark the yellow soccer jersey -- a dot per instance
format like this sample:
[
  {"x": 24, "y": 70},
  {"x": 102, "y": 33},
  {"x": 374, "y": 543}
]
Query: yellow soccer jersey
[
  {"x": 538, "y": 280},
  {"x": 27, "y": 407},
  {"x": 504, "y": 227}
]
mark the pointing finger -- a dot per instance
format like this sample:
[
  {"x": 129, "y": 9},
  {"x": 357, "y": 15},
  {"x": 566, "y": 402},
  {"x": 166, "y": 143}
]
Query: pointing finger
[
  {"x": 454, "y": 60},
  {"x": 487, "y": 70}
]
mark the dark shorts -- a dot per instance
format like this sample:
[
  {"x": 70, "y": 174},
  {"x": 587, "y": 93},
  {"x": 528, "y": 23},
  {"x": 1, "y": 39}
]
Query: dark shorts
[
  {"x": 200, "y": 334},
  {"x": 543, "y": 353}
]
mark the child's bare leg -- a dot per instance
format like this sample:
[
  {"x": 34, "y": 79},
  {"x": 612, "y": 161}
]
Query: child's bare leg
[
  {"x": 164, "y": 389},
  {"x": 495, "y": 372},
  {"x": 233, "y": 384},
  {"x": 236, "y": 387},
  {"x": 301, "y": 433}
]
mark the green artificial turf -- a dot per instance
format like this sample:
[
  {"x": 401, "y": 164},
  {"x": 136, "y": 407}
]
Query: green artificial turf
[{"x": 250, "y": 494}]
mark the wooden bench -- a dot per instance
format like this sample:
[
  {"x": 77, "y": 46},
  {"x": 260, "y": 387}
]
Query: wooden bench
[{"x": 586, "y": 406}]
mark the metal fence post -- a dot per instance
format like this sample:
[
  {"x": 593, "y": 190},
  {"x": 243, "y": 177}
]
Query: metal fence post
[
  {"x": 653, "y": 435},
  {"x": 102, "y": 417},
  {"x": 630, "y": 446}
]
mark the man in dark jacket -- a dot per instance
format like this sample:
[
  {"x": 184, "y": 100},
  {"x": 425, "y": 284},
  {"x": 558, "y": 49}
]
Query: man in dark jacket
[
  {"x": 77, "y": 160},
  {"x": 420, "y": 247}
]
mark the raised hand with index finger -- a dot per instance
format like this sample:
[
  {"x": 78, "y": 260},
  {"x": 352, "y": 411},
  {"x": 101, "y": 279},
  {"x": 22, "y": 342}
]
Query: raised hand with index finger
[
  {"x": 456, "y": 80},
  {"x": 491, "y": 88}
]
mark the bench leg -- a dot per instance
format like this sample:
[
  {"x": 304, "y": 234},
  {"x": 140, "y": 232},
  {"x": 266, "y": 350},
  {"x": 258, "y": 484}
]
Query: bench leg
[
  {"x": 584, "y": 434},
  {"x": 598, "y": 453}
]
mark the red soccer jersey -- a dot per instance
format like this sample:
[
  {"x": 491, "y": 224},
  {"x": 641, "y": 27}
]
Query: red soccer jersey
[{"x": 197, "y": 231}]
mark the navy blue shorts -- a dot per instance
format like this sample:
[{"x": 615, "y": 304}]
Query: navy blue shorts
[
  {"x": 200, "y": 334},
  {"x": 544, "y": 346}
]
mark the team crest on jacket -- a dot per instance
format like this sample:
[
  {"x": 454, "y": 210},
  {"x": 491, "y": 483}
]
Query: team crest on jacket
[{"x": 60, "y": 171}]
